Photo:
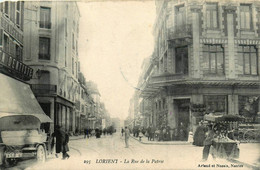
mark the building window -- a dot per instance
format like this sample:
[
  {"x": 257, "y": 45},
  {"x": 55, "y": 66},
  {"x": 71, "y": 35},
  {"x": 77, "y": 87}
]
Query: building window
[
  {"x": 245, "y": 16},
  {"x": 72, "y": 66},
  {"x": 181, "y": 62},
  {"x": 44, "y": 48},
  {"x": 19, "y": 53},
  {"x": 73, "y": 43},
  {"x": 215, "y": 103},
  {"x": 6, "y": 8},
  {"x": 45, "y": 17},
  {"x": 247, "y": 60},
  {"x": 1, "y": 37},
  {"x": 212, "y": 16},
  {"x": 165, "y": 62},
  {"x": 45, "y": 77},
  {"x": 76, "y": 69},
  {"x": 6, "y": 44},
  {"x": 65, "y": 56},
  {"x": 76, "y": 47},
  {"x": 18, "y": 14},
  {"x": 213, "y": 59},
  {"x": 180, "y": 16},
  {"x": 66, "y": 27},
  {"x": 248, "y": 107},
  {"x": 1, "y": 7},
  {"x": 161, "y": 65},
  {"x": 12, "y": 11}
]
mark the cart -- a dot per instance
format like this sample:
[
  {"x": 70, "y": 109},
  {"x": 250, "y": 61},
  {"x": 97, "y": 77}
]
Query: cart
[{"x": 224, "y": 145}]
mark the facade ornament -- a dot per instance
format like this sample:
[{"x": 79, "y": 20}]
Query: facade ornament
[
  {"x": 230, "y": 9},
  {"x": 196, "y": 8}
]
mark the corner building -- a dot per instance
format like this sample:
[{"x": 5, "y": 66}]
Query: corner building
[
  {"x": 206, "y": 59},
  {"x": 51, "y": 31}
]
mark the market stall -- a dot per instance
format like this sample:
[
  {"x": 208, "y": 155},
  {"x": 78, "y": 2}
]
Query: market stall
[{"x": 224, "y": 143}]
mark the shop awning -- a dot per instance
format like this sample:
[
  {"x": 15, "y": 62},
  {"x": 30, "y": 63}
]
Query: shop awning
[{"x": 16, "y": 98}]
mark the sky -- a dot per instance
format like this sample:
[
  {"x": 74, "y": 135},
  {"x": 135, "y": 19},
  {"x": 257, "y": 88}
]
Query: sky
[{"x": 114, "y": 38}]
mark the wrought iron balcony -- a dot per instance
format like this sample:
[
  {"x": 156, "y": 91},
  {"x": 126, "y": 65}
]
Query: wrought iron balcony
[
  {"x": 11, "y": 66},
  {"x": 182, "y": 31},
  {"x": 45, "y": 24},
  {"x": 44, "y": 89}
]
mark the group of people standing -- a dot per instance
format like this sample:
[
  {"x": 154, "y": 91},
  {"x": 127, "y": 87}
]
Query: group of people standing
[{"x": 163, "y": 133}]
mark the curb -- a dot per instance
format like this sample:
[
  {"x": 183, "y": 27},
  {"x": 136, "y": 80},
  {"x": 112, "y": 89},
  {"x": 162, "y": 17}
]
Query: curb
[
  {"x": 77, "y": 138},
  {"x": 246, "y": 164},
  {"x": 161, "y": 143}
]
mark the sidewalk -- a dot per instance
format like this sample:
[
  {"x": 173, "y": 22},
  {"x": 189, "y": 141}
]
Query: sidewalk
[
  {"x": 76, "y": 137},
  {"x": 144, "y": 140},
  {"x": 249, "y": 155},
  {"x": 249, "y": 152}
]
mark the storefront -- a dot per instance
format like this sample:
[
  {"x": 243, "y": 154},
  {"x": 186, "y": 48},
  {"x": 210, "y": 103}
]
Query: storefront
[{"x": 187, "y": 103}]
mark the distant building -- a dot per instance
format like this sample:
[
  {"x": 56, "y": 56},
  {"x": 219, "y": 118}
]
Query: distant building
[
  {"x": 116, "y": 123},
  {"x": 95, "y": 118}
]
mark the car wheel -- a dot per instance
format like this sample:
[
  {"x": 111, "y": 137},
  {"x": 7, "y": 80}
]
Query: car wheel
[{"x": 40, "y": 154}]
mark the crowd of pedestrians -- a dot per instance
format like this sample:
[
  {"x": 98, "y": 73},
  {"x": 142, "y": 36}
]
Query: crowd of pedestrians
[
  {"x": 163, "y": 133},
  {"x": 88, "y": 132}
]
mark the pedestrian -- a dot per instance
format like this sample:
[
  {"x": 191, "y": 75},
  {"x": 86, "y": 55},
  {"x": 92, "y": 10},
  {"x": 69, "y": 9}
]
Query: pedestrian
[
  {"x": 127, "y": 134},
  {"x": 149, "y": 133},
  {"x": 122, "y": 131},
  {"x": 97, "y": 133},
  {"x": 175, "y": 134},
  {"x": 85, "y": 133},
  {"x": 199, "y": 135},
  {"x": 208, "y": 143},
  {"x": 152, "y": 132},
  {"x": 182, "y": 132},
  {"x": 62, "y": 140}
]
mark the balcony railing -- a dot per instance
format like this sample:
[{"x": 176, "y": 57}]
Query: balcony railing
[
  {"x": 45, "y": 24},
  {"x": 47, "y": 89},
  {"x": 183, "y": 31},
  {"x": 167, "y": 78},
  {"x": 14, "y": 67}
]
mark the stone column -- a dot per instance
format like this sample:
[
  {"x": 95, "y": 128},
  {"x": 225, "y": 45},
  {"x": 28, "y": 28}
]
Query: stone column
[
  {"x": 230, "y": 10},
  {"x": 196, "y": 40},
  {"x": 170, "y": 112},
  {"x": 233, "y": 104}
]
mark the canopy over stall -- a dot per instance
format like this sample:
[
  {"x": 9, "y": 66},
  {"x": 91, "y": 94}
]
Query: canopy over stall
[
  {"x": 17, "y": 100},
  {"x": 223, "y": 118}
]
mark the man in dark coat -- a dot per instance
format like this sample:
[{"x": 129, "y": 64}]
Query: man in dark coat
[
  {"x": 199, "y": 135},
  {"x": 149, "y": 133},
  {"x": 62, "y": 140},
  {"x": 208, "y": 142},
  {"x": 182, "y": 132}
]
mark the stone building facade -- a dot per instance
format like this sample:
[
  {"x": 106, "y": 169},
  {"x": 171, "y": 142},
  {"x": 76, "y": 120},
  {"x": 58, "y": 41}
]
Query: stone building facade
[
  {"x": 12, "y": 40},
  {"x": 205, "y": 59},
  {"x": 51, "y": 49}
]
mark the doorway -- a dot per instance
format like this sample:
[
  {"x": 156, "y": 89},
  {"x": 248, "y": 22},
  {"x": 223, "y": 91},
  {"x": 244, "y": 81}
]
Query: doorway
[{"x": 183, "y": 118}]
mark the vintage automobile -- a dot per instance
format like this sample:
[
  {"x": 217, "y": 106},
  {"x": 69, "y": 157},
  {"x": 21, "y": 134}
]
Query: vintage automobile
[{"x": 21, "y": 120}]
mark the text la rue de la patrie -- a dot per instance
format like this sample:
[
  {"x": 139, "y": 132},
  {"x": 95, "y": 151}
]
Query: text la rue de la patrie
[{"x": 124, "y": 161}]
